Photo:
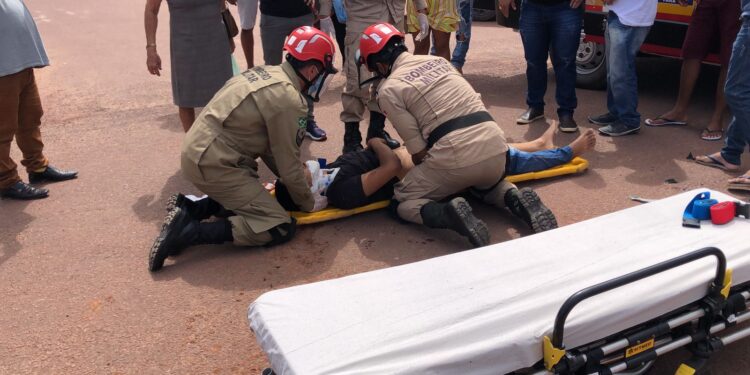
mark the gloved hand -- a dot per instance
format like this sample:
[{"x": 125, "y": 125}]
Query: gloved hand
[
  {"x": 326, "y": 26},
  {"x": 424, "y": 26},
  {"x": 321, "y": 202}
]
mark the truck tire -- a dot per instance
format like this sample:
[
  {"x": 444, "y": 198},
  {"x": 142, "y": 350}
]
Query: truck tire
[{"x": 591, "y": 66}]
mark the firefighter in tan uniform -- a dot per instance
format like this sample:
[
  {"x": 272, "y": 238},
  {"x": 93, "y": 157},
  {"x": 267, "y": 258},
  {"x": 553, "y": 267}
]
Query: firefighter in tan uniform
[
  {"x": 355, "y": 98},
  {"x": 455, "y": 144},
  {"x": 260, "y": 113}
]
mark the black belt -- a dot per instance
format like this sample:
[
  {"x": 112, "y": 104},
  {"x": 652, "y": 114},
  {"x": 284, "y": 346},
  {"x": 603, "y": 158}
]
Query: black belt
[{"x": 455, "y": 124}]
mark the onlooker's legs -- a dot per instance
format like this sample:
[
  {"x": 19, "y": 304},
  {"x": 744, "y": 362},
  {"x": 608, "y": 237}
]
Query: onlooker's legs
[
  {"x": 187, "y": 117},
  {"x": 535, "y": 34},
  {"x": 10, "y": 88},
  {"x": 442, "y": 42},
  {"x": 28, "y": 135},
  {"x": 248, "y": 11},
  {"x": 738, "y": 98},
  {"x": 340, "y": 35},
  {"x": 565, "y": 31},
  {"x": 463, "y": 36},
  {"x": 623, "y": 43}
]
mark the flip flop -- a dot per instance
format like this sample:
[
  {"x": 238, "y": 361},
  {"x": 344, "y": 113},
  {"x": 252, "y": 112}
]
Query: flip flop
[
  {"x": 714, "y": 163},
  {"x": 712, "y": 135},
  {"x": 744, "y": 185},
  {"x": 663, "y": 121}
]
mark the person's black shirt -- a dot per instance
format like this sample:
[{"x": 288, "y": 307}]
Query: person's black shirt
[{"x": 284, "y": 8}]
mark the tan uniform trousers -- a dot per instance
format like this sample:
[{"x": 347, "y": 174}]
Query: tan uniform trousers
[
  {"x": 224, "y": 175},
  {"x": 20, "y": 116},
  {"x": 356, "y": 100},
  {"x": 425, "y": 184}
]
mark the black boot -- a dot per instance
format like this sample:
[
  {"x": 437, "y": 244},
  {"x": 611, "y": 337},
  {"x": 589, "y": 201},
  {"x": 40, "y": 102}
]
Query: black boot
[
  {"x": 525, "y": 204},
  {"x": 199, "y": 210},
  {"x": 352, "y": 138},
  {"x": 456, "y": 215},
  {"x": 377, "y": 130},
  {"x": 180, "y": 231}
]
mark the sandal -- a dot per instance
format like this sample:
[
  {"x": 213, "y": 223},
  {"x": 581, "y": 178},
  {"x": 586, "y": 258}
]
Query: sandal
[
  {"x": 740, "y": 183},
  {"x": 714, "y": 162},
  {"x": 663, "y": 121},
  {"x": 712, "y": 135}
]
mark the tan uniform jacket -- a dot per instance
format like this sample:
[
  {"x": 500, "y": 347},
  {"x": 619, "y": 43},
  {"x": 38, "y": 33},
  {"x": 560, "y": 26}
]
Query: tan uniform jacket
[
  {"x": 259, "y": 113},
  {"x": 363, "y": 13},
  {"x": 423, "y": 92}
]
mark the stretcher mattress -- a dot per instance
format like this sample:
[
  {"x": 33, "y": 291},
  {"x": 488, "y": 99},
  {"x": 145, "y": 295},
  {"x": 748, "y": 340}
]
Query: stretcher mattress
[
  {"x": 485, "y": 311},
  {"x": 577, "y": 165}
]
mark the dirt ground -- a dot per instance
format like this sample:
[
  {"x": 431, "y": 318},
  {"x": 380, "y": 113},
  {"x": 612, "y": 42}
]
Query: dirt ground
[{"x": 76, "y": 295}]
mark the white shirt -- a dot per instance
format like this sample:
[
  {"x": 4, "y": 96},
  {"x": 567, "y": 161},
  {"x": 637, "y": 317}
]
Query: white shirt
[{"x": 637, "y": 13}]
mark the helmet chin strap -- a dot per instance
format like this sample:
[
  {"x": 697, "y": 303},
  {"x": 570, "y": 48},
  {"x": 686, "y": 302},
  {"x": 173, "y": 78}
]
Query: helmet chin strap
[{"x": 376, "y": 77}]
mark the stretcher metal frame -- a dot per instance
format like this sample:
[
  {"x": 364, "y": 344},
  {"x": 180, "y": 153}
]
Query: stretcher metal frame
[{"x": 634, "y": 350}]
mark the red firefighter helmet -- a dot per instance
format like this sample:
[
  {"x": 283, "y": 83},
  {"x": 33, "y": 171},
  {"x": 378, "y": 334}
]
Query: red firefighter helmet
[
  {"x": 374, "y": 39},
  {"x": 308, "y": 43}
]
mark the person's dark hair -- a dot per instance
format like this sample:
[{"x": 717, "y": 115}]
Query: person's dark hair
[
  {"x": 388, "y": 55},
  {"x": 299, "y": 65}
]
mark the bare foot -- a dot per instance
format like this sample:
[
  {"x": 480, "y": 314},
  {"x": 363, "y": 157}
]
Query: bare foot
[
  {"x": 744, "y": 179},
  {"x": 675, "y": 115},
  {"x": 546, "y": 139},
  {"x": 711, "y": 160},
  {"x": 584, "y": 143}
]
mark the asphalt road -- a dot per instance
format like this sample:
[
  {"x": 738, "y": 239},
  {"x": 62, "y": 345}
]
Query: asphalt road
[{"x": 76, "y": 296}]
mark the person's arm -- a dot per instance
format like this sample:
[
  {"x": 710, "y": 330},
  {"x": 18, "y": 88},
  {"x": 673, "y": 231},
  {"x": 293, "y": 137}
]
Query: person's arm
[
  {"x": 283, "y": 134},
  {"x": 390, "y": 167},
  {"x": 325, "y": 8},
  {"x": 151, "y": 22},
  {"x": 392, "y": 104},
  {"x": 506, "y": 5}
]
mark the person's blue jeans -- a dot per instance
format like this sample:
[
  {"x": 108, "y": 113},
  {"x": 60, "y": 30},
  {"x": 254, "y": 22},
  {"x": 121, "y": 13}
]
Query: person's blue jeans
[
  {"x": 737, "y": 93},
  {"x": 458, "y": 59},
  {"x": 555, "y": 31},
  {"x": 520, "y": 162},
  {"x": 622, "y": 43}
]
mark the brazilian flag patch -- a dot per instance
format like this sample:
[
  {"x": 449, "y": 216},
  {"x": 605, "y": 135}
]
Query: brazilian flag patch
[{"x": 302, "y": 122}]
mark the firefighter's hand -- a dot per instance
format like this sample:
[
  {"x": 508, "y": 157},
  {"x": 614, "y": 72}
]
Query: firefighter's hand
[
  {"x": 575, "y": 3},
  {"x": 424, "y": 27},
  {"x": 506, "y": 5}
]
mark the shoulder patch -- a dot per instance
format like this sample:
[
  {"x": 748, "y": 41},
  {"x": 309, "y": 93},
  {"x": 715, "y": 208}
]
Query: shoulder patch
[{"x": 302, "y": 122}]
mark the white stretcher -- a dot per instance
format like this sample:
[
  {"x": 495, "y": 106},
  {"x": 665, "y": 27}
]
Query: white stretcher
[{"x": 488, "y": 310}]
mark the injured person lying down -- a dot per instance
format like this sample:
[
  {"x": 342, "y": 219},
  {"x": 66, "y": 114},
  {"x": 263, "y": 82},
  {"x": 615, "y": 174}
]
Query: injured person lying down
[{"x": 359, "y": 178}]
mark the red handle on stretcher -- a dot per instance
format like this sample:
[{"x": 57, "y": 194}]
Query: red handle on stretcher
[{"x": 722, "y": 213}]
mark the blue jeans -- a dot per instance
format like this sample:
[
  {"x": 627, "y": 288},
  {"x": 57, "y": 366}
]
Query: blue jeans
[
  {"x": 462, "y": 46},
  {"x": 555, "y": 31},
  {"x": 622, "y": 45},
  {"x": 523, "y": 162},
  {"x": 737, "y": 92}
]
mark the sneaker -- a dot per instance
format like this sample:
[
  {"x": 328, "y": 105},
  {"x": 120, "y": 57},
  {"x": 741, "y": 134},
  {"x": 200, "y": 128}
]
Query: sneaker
[
  {"x": 531, "y": 115},
  {"x": 314, "y": 132},
  {"x": 526, "y": 205},
  {"x": 603, "y": 120},
  {"x": 567, "y": 124},
  {"x": 618, "y": 129}
]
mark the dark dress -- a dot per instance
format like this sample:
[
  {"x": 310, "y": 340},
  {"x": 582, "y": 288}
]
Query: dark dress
[{"x": 200, "y": 51}]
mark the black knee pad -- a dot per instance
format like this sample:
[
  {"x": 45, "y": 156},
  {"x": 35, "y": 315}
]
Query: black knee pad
[{"x": 282, "y": 233}]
